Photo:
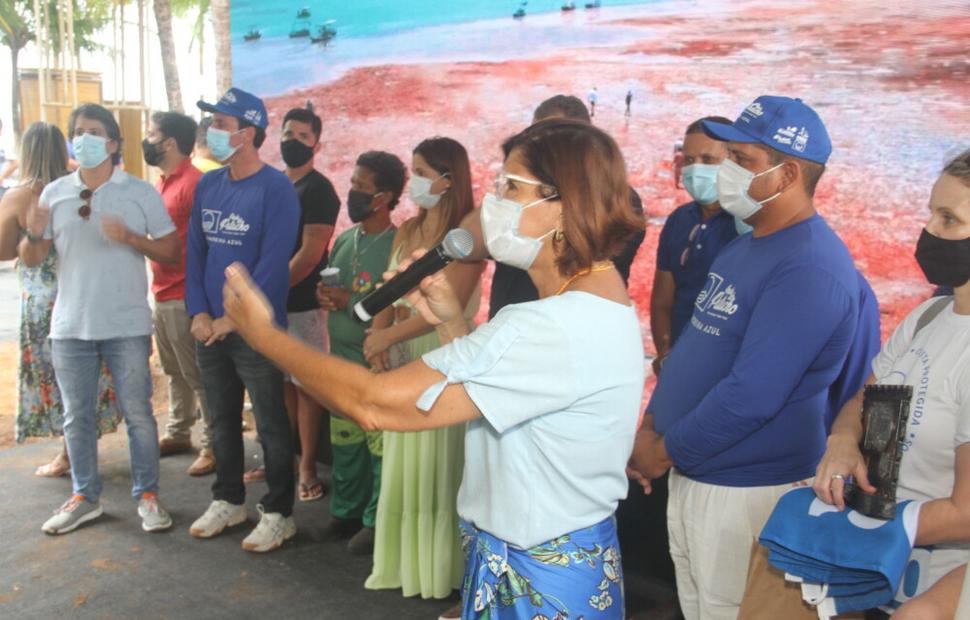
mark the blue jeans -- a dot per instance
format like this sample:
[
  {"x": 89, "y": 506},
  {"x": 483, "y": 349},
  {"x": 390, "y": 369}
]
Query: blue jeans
[
  {"x": 229, "y": 367},
  {"x": 77, "y": 365}
]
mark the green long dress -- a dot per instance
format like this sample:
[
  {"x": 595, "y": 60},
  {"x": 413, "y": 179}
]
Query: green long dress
[{"x": 417, "y": 544}]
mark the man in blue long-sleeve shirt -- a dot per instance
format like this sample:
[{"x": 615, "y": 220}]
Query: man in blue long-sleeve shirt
[
  {"x": 740, "y": 409},
  {"x": 246, "y": 212}
]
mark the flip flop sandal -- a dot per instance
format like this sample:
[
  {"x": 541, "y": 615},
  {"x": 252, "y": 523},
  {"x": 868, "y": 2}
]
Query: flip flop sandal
[
  {"x": 255, "y": 475},
  {"x": 50, "y": 470},
  {"x": 312, "y": 491}
]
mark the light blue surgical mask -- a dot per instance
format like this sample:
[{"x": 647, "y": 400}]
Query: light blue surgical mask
[
  {"x": 700, "y": 181},
  {"x": 742, "y": 227},
  {"x": 90, "y": 150},
  {"x": 218, "y": 141}
]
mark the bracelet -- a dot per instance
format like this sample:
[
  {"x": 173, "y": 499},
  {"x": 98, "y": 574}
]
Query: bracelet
[{"x": 32, "y": 239}]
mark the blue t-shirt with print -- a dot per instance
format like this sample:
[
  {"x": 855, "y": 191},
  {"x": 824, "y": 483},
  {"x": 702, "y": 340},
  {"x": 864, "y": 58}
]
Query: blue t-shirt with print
[
  {"x": 687, "y": 248},
  {"x": 252, "y": 221},
  {"x": 743, "y": 396}
]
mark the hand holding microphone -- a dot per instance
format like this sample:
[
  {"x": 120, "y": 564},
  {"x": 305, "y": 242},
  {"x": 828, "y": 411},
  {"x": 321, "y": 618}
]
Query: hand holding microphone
[
  {"x": 433, "y": 299},
  {"x": 436, "y": 300}
]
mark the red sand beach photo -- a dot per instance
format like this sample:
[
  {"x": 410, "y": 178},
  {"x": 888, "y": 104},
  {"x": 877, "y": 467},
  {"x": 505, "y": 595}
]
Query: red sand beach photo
[{"x": 890, "y": 82}]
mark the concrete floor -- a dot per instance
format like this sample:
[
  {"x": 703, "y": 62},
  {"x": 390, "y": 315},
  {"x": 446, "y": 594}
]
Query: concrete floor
[{"x": 112, "y": 569}]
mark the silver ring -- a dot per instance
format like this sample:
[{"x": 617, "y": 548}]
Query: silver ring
[{"x": 838, "y": 477}]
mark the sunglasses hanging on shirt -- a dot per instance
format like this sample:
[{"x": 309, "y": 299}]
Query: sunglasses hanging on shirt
[{"x": 85, "y": 210}]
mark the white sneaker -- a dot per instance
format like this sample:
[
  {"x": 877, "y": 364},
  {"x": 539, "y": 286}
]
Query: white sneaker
[
  {"x": 218, "y": 516},
  {"x": 154, "y": 518},
  {"x": 272, "y": 531}
]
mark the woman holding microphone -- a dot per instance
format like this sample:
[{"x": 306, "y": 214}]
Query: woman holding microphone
[{"x": 550, "y": 389}]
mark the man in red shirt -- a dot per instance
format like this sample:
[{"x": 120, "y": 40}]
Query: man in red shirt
[{"x": 171, "y": 138}]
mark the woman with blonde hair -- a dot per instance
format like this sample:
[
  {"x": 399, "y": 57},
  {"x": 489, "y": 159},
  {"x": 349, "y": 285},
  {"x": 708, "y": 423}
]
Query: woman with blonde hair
[
  {"x": 40, "y": 411},
  {"x": 417, "y": 544}
]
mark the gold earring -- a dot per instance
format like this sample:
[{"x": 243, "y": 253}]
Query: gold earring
[{"x": 559, "y": 235}]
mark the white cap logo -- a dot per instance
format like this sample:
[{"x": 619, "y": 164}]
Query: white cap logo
[
  {"x": 755, "y": 109},
  {"x": 229, "y": 97},
  {"x": 785, "y": 135}
]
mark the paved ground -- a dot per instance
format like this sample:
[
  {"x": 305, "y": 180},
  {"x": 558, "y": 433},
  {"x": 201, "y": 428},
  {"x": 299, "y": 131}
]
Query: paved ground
[{"x": 112, "y": 569}]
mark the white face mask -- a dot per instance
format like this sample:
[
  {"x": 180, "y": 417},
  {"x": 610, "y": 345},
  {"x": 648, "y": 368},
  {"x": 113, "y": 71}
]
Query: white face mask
[
  {"x": 420, "y": 191},
  {"x": 733, "y": 183},
  {"x": 500, "y": 227}
]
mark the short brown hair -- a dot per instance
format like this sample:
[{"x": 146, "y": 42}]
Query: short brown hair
[
  {"x": 959, "y": 167},
  {"x": 698, "y": 125},
  {"x": 586, "y": 167}
]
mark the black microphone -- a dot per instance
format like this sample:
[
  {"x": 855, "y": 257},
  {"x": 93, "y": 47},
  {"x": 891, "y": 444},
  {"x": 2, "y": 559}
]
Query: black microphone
[{"x": 458, "y": 243}]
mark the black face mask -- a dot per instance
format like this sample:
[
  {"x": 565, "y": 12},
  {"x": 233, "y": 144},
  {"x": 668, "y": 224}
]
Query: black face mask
[
  {"x": 358, "y": 205},
  {"x": 295, "y": 153},
  {"x": 150, "y": 151},
  {"x": 944, "y": 262}
]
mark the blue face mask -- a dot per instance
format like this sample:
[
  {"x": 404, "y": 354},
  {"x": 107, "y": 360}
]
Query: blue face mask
[
  {"x": 218, "y": 141},
  {"x": 90, "y": 150},
  {"x": 742, "y": 227},
  {"x": 700, "y": 181}
]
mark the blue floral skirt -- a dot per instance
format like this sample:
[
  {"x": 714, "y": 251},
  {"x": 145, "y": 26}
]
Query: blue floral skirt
[{"x": 574, "y": 576}]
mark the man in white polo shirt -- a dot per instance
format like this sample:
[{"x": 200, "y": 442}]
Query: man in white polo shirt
[{"x": 103, "y": 223}]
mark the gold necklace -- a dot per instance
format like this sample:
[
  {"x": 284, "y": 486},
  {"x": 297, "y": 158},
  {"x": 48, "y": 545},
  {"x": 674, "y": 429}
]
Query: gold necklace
[{"x": 606, "y": 266}]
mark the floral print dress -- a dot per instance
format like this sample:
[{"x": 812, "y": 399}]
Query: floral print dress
[{"x": 40, "y": 412}]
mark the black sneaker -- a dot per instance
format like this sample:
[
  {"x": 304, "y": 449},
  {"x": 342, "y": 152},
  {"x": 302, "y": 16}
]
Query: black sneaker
[
  {"x": 363, "y": 542},
  {"x": 338, "y": 529}
]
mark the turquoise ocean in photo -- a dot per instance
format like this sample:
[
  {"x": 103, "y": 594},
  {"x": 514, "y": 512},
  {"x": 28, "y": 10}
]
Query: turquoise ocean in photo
[{"x": 373, "y": 32}]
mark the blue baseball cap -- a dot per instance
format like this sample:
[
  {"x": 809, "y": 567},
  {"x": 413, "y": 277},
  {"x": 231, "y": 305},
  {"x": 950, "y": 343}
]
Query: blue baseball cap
[
  {"x": 782, "y": 123},
  {"x": 237, "y": 102}
]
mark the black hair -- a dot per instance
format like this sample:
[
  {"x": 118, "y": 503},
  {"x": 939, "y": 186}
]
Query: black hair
[
  {"x": 698, "y": 125},
  {"x": 178, "y": 126},
  {"x": 389, "y": 173},
  {"x": 101, "y": 114},
  {"x": 304, "y": 115},
  {"x": 566, "y": 106}
]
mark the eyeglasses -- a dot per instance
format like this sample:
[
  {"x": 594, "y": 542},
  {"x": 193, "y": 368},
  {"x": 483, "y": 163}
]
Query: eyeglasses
[
  {"x": 690, "y": 242},
  {"x": 502, "y": 184},
  {"x": 85, "y": 210}
]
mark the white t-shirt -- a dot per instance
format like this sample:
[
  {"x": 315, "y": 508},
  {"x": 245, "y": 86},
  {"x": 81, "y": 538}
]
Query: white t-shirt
[
  {"x": 102, "y": 286},
  {"x": 937, "y": 364},
  {"x": 558, "y": 382}
]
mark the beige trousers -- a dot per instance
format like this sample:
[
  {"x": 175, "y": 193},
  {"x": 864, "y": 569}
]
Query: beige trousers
[{"x": 176, "y": 351}]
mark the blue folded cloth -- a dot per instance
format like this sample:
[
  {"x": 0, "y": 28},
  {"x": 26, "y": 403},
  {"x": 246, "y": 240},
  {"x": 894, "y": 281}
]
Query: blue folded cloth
[{"x": 860, "y": 560}]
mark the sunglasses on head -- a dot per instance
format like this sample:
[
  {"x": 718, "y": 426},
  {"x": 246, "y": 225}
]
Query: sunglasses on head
[{"x": 85, "y": 210}]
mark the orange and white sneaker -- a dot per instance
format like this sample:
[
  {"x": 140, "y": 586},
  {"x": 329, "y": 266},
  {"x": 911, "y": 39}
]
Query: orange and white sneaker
[
  {"x": 154, "y": 517},
  {"x": 71, "y": 514}
]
